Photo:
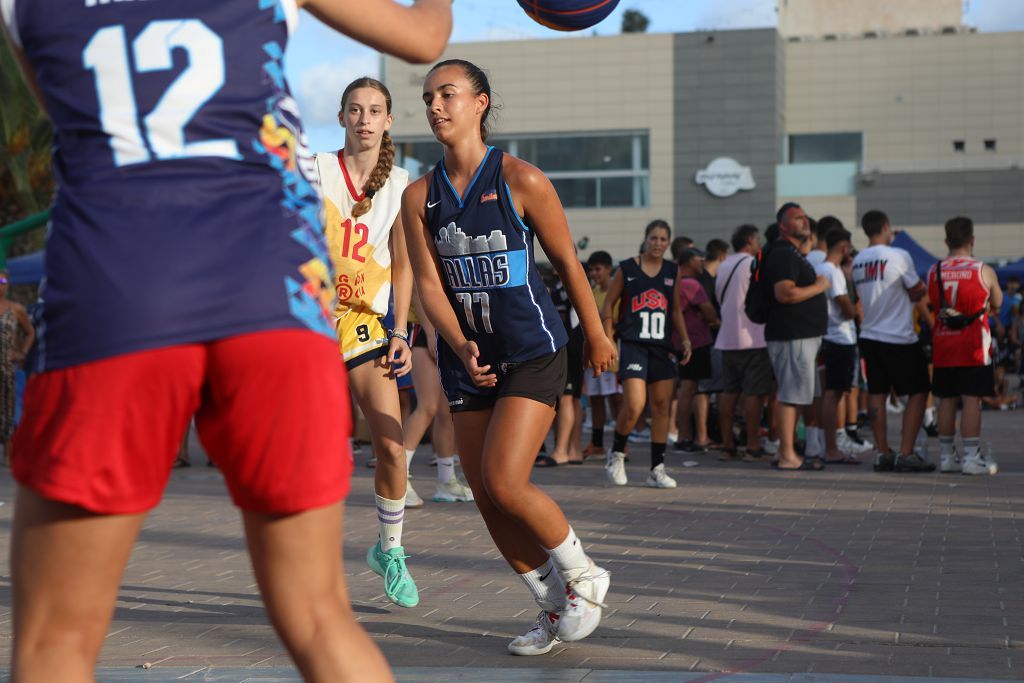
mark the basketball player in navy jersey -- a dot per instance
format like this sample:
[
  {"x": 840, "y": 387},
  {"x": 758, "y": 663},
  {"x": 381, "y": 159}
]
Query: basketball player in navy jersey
[
  {"x": 471, "y": 223},
  {"x": 186, "y": 273},
  {"x": 646, "y": 285}
]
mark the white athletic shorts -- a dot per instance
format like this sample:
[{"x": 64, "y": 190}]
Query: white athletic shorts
[{"x": 604, "y": 385}]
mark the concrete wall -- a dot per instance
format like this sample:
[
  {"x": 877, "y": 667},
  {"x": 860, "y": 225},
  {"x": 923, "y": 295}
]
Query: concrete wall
[
  {"x": 728, "y": 90},
  {"x": 607, "y": 83},
  {"x": 821, "y": 17},
  {"x": 912, "y": 97}
]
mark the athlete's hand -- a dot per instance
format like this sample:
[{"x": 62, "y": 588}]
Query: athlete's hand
[
  {"x": 399, "y": 357},
  {"x": 687, "y": 352},
  {"x": 470, "y": 354},
  {"x": 599, "y": 354}
]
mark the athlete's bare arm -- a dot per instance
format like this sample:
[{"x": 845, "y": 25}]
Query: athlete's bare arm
[
  {"x": 995, "y": 293},
  {"x": 426, "y": 269},
  {"x": 399, "y": 353},
  {"x": 614, "y": 294},
  {"x": 416, "y": 34},
  {"x": 537, "y": 201},
  {"x": 679, "y": 323}
]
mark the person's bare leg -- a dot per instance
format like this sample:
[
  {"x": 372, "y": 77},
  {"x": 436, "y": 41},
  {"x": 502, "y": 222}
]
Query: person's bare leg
[
  {"x": 947, "y": 417},
  {"x": 830, "y": 418},
  {"x": 879, "y": 422},
  {"x": 428, "y": 399},
  {"x": 575, "y": 442},
  {"x": 970, "y": 416},
  {"x": 913, "y": 418},
  {"x": 752, "y": 413},
  {"x": 66, "y": 566},
  {"x": 634, "y": 397},
  {"x": 659, "y": 397},
  {"x": 785, "y": 417},
  {"x": 520, "y": 543},
  {"x": 442, "y": 433},
  {"x": 298, "y": 566},
  {"x": 598, "y": 413},
  {"x": 684, "y": 415},
  {"x": 700, "y": 419},
  {"x": 565, "y": 416},
  {"x": 727, "y": 419},
  {"x": 377, "y": 396}
]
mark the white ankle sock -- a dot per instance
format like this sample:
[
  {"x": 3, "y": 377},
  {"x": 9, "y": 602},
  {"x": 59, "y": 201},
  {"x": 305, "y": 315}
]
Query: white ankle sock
[
  {"x": 408, "y": 458},
  {"x": 390, "y": 515},
  {"x": 569, "y": 557},
  {"x": 546, "y": 586},
  {"x": 445, "y": 469}
]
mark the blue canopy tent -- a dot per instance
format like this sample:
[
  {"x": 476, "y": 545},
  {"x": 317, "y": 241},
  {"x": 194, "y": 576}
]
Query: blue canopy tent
[
  {"x": 923, "y": 260},
  {"x": 26, "y": 270},
  {"x": 1015, "y": 268}
]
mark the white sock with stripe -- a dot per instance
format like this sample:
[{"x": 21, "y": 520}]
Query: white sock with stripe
[
  {"x": 445, "y": 469},
  {"x": 390, "y": 515}
]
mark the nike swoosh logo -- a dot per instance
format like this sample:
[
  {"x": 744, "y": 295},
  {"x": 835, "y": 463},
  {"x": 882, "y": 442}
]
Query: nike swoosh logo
[
  {"x": 431, "y": 205},
  {"x": 547, "y": 575}
]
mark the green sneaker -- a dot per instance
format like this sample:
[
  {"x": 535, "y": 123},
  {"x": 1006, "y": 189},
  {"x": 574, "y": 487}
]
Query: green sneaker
[{"x": 398, "y": 583}]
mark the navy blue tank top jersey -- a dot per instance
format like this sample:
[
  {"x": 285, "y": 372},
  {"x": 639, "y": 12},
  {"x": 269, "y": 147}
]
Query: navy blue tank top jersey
[
  {"x": 487, "y": 261},
  {"x": 645, "y": 311},
  {"x": 185, "y": 210}
]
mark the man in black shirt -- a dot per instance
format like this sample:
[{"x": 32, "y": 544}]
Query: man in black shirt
[{"x": 797, "y": 320}]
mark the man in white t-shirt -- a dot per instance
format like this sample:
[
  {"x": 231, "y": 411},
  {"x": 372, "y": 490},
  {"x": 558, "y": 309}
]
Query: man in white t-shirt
[
  {"x": 746, "y": 368},
  {"x": 821, "y": 229},
  {"x": 839, "y": 346},
  {"x": 887, "y": 285}
]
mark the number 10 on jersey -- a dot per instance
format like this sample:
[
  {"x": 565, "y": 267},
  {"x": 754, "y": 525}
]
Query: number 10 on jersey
[{"x": 469, "y": 301}]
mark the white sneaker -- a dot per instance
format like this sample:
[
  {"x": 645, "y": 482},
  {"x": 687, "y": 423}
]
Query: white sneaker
[
  {"x": 453, "y": 491},
  {"x": 673, "y": 437},
  {"x": 659, "y": 479},
  {"x": 848, "y": 445},
  {"x": 615, "y": 468},
  {"x": 768, "y": 446},
  {"x": 950, "y": 464},
  {"x": 412, "y": 499},
  {"x": 541, "y": 637},
  {"x": 979, "y": 464},
  {"x": 584, "y": 600}
]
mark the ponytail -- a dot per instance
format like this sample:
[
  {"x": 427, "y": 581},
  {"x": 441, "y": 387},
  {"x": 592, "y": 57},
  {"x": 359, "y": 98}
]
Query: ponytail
[{"x": 379, "y": 176}]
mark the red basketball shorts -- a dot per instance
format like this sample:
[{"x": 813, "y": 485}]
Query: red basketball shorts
[{"x": 271, "y": 408}]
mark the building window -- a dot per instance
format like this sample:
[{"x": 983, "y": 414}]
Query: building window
[
  {"x": 589, "y": 171},
  {"x": 958, "y": 145},
  {"x": 990, "y": 145},
  {"x": 817, "y": 148}
]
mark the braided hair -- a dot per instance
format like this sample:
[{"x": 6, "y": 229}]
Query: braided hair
[{"x": 386, "y": 157}]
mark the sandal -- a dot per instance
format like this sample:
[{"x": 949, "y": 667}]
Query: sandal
[
  {"x": 808, "y": 465},
  {"x": 847, "y": 459},
  {"x": 755, "y": 455},
  {"x": 729, "y": 454},
  {"x": 545, "y": 461}
]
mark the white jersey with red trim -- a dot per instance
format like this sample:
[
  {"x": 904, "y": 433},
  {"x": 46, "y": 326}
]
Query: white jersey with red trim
[
  {"x": 359, "y": 247},
  {"x": 963, "y": 289}
]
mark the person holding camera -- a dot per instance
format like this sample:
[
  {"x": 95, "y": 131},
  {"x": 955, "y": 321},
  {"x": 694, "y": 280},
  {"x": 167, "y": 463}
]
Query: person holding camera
[{"x": 962, "y": 293}]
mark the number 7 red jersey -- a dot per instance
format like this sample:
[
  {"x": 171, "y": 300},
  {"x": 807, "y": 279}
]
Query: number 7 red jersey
[{"x": 965, "y": 290}]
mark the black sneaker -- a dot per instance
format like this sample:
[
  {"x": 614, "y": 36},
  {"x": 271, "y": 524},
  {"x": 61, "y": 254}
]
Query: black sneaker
[
  {"x": 912, "y": 463},
  {"x": 690, "y": 447},
  {"x": 884, "y": 462}
]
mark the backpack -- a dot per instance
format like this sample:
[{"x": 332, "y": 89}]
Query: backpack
[{"x": 755, "y": 305}]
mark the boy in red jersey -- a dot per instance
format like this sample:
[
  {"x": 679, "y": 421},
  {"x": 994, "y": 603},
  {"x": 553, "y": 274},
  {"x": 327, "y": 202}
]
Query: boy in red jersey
[{"x": 962, "y": 345}]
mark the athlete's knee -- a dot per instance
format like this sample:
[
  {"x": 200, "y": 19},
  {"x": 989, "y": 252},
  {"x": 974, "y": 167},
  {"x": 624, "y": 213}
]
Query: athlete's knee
[{"x": 506, "y": 495}]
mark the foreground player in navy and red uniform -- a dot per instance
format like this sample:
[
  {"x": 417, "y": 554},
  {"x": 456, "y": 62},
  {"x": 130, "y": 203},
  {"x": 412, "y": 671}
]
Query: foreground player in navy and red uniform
[
  {"x": 962, "y": 349},
  {"x": 646, "y": 285},
  {"x": 186, "y": 273},
  {"x": 471, "y": 222}
]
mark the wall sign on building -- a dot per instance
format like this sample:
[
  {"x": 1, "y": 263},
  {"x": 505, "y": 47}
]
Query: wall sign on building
[{"x": 724, "y": 177}]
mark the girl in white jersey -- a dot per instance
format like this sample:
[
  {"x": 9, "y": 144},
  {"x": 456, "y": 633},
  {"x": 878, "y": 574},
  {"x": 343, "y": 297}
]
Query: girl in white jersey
[{"x": 362, "y": 196}]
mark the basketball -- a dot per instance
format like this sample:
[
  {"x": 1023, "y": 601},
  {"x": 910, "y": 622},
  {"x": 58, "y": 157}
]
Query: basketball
[{"x": 568, "y": 15}]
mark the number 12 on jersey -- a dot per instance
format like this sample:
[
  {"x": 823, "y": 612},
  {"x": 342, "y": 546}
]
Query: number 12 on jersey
[{"x": 468, "y": 300}]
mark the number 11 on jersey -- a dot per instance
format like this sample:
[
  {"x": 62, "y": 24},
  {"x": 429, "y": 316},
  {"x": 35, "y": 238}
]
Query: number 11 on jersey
[{"x": 468, "y": 300}]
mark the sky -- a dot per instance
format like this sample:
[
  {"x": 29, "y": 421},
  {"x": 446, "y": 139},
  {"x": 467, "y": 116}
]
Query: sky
[{"x": 320, "y": 63}]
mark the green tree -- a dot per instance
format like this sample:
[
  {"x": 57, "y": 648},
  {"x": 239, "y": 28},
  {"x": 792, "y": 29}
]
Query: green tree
[
  {"x": 26, "y": 176},
  {"x": 634, "y": 21}
]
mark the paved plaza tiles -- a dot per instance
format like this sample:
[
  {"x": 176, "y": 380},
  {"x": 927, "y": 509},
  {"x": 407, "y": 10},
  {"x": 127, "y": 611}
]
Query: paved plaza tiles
[{"x": 742, "y": 574}]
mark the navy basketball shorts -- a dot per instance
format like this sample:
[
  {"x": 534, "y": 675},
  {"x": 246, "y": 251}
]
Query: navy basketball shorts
[
  {"x": 541, "y": 379},
  {"x": 649, "y": 362}
]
